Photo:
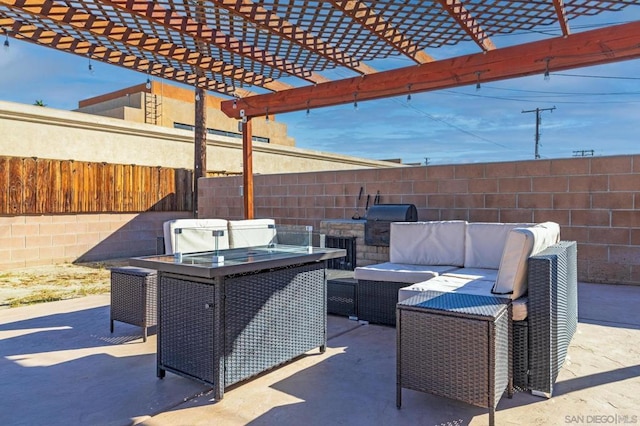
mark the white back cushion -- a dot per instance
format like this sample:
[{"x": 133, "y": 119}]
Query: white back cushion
[
  {"x": 485, "y": 242},
  {"x": 520, "y": 245},
  {"x": 194, "y": 235},
  {"x": 252, "y": 232},
  {"x": 427, "y": 243}
]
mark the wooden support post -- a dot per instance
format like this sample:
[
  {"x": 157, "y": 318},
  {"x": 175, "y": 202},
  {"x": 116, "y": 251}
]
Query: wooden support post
[
  {"x": 247, "y": 169},
  {"x": 200, "y": 144}
]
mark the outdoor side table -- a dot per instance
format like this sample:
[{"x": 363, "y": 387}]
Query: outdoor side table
[
  {"x": 455, "y": 345},
  {"x": 134, "y": 297}
]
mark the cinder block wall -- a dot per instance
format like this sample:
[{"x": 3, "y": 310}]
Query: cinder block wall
[
  {"x": 595, "y": 200},
  {"x": 50, "y": 239}
]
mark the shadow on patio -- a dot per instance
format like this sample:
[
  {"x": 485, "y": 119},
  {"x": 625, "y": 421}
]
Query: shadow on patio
[{"x": 61, "y": 365}]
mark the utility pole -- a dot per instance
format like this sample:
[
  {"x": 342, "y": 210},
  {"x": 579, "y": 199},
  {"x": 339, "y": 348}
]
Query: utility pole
[
  {"x": 583, "y": 153},
  {"x": 538, "y": 111}
]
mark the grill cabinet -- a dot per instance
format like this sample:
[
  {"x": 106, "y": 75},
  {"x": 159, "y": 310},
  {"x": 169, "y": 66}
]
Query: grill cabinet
[{"x": 379, "y": 218}]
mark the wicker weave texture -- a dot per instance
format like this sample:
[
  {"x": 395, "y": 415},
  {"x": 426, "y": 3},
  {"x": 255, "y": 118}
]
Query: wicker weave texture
[
  {"x": 520, "y": 359},
  {"x": 552, "y": 312},
  {"x": 461, "y": 354},
  {"x": 272, "y": 317},
  {"x": 341, "y": 297},
  {"x": 134, "y": 297},
  {"x": 224, "y": 330},
  {"x": 188, "y": 330},
  {"x": 377, "y": 301}
]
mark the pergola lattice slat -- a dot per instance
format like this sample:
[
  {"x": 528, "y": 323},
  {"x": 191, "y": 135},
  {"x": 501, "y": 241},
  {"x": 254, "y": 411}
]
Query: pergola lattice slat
[
  {"x": 158, "y": 15},
  {"x": 102, "y": 27},
  {"x": 260, "y": 16},
  {"x": 368, "y": 18}
]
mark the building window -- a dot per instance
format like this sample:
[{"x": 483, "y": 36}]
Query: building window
[{"x": 219, "y": 132}]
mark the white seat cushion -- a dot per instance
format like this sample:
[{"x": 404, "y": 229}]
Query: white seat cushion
[
  {"x": 448, "y": 284},
  {"x": 520, "y": 245},
  {"x": 400, "y": 272},
  {"x": 485, "y": 242},
  {"x": 427, "y": 243},
  {"x": 192, "y": 235},
  {"x": 474, "y": 274},
  {"x": 452, "y": 284}
]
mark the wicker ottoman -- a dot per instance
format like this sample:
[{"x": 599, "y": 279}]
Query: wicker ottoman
[
  {"x": 341, "y": 296},
  {"x": 134, "y": 297},
  {"x": 377, "y": 301},
  {"x": 455, "y": 345}
]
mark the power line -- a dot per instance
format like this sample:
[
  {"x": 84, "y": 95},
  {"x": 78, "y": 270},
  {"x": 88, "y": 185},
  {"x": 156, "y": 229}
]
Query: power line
[
  {"x": 546, "y": 92},
  {"x": 524, "y": 99},
  {"x": 453, "y": 126},
  {"x": 595, "y": 76}
]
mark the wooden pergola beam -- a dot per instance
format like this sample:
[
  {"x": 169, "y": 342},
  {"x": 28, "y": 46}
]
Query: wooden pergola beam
[
  {"x": 562, "y": 16},
  {"x": 465, "y": 19},
  {"x": 600, "y": 46}
]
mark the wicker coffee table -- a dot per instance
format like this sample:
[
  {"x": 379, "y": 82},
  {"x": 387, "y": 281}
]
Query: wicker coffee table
[{"x": 455, "y": 345}]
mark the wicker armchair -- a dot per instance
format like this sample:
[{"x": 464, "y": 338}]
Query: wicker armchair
[{"x": 542, "y": 340}]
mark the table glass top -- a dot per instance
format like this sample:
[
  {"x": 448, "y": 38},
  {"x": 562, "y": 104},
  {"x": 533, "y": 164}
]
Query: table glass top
[{"x": 238, "y": 256}]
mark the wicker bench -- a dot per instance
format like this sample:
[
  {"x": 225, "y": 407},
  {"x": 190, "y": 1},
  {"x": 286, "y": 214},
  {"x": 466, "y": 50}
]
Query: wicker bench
[
  {"x": 455, "y": 345},
  {"x": 134, "y": 297}
]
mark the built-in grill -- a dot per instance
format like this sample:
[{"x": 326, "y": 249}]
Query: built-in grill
[{"x": 379, "y": 218}]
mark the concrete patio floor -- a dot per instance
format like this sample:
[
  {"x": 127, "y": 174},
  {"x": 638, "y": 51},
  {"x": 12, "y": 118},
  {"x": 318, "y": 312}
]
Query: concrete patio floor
[{"x": 60, "y": 365}]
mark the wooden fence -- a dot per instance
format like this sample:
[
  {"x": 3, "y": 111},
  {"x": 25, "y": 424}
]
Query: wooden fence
[{"x": 42, "y": 186}]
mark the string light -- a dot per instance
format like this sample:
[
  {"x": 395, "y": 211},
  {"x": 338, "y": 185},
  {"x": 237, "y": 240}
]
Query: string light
[
  {"x": 409, "y": 94},
  {"x": 355, "y": 101},
  {"x": 478, "y": 86},
  {"x": 547, "y": 77},
  {"x": 6, "y": 39},
  {"x": 90, "y": 66},
  {"x": 197, "y": 94},
  {"x": 235, "y": 103},
  {"x": 308, "y": 110},
  {"x": 267, "y": 115}
]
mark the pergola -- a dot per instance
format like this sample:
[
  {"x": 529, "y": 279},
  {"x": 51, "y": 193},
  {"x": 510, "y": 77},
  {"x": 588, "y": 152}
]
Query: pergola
[{"x": 269, "y": 56}]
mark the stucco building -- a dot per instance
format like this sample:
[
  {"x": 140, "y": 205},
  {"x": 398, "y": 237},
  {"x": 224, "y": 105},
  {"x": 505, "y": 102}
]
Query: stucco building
[{"x": 167, "y": 105}]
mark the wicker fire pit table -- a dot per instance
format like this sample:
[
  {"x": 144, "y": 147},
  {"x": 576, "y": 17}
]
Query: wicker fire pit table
[{"x": 222, "y": 323}]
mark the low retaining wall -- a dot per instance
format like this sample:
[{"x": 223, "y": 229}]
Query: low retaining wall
[{"x": 50, "y": 239}]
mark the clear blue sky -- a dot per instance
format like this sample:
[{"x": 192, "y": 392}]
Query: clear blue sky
[{"x": 597, "y": 108}]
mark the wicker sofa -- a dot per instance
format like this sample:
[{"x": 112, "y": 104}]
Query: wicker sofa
[{"x": 525, "y": 263}]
